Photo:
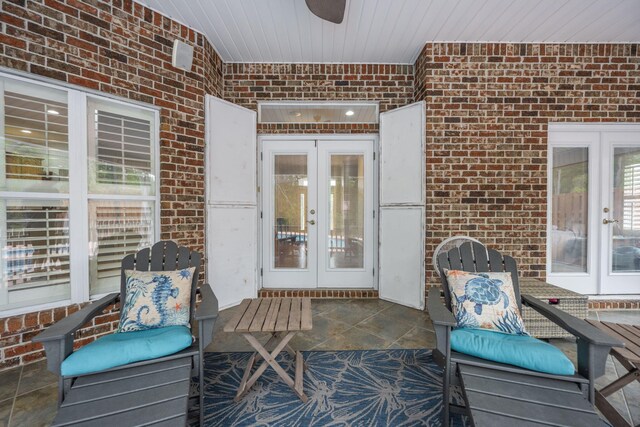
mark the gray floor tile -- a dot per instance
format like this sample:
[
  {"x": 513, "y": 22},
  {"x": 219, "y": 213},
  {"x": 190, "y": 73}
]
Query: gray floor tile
[
  {"x": 354, "y": 339},
  {"x": 384, "y": 326},
  {"x": 37, "y": 408},
  {"x": 351, "y": 312},
  {"x": 9, "y": 380},
  {"x": 416, "y": 338},
  {"x": 5, "y": 411},
  {"x": 631, "y": 317},
  {"x": 35, "y": 376}
]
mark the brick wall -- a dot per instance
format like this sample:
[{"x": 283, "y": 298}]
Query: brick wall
[
  {"x": 391, "y": 85},
  {"x": 123, "y": 48},
  {"x": 488, "y": 107}
]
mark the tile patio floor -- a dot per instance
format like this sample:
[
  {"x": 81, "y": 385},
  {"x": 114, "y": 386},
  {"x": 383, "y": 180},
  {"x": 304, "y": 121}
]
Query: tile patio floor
[{"x": 28, "y": 394}]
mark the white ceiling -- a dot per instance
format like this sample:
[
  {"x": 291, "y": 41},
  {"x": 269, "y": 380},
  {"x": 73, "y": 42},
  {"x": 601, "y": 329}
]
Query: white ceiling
[{"x": 394, "y": 31}]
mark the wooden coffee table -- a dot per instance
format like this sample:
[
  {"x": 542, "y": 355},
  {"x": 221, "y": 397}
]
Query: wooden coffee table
[
  {"x": 629, "y": 358},
  {"x": 283, "y": 318}
]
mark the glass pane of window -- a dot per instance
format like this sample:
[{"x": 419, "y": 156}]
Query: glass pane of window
[
  {"x": 290, "y": 182},
  {"x": 346, "y": 212},
  {"x": 121, "y": 149},
  {"x": 116, "y": 229},
  {"x": 569, "y": 209},
  {"x": 35, "y": 252},
  {"x": 626, "y": 210},
  {"x": 318, "y": 112},
  {"x": 35, "y": 146}
]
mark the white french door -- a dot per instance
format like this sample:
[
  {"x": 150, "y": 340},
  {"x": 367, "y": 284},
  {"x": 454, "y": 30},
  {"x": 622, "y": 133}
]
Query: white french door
[
  {"x": 318, "y": 213},
  {"x": 593, "y": 242}
]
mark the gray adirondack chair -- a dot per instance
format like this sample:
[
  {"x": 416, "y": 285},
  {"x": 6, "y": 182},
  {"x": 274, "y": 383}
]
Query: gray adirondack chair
[
  {"x": 163, "y": 256},
  {"x": 593, "y": 345}
]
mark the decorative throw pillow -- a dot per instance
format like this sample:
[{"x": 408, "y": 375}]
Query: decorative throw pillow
[
  {"x": 156, "y": 299},
  {"x": 484, "y": 301}
]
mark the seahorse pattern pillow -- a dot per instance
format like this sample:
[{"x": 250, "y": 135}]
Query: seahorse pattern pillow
[
  {"x": 156, "y": 299},
  {"x": 484, "y": 301}
]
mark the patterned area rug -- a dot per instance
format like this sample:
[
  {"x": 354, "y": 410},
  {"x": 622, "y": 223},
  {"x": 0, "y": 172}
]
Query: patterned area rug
[{"x": 345, "y": 388}]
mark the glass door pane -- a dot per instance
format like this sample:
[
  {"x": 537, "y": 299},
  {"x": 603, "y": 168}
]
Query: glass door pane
[
  {"x": 624, "y": 218},
  {"x": 346, "y": 211},
  {"x": 290, "y": 202},
  {"x": 289, "y": 234},
  {"x": 569, "y": 210}
]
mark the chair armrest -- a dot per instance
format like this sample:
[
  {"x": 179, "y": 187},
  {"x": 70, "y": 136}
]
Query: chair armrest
[
  {"x": 208, "y": 308},
  {"x": 438, "y": 313},
  {"x": 206, "y": 315},
  {"x": 577, "y": 327},
  {"x": 57, "y": 339},
  {"x": 75, "y": 321}
]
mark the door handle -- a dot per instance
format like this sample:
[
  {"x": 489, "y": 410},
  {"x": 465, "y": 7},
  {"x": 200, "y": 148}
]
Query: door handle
[
  {"x": 609, "y": 221},
  {"x": 312, "y": 222}
]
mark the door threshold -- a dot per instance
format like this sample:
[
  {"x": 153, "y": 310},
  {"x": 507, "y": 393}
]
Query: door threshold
[{"x": 357, "y": 293}]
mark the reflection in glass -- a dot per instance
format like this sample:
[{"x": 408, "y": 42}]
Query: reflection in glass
[
  {"x": 36, "y": 139},
  {"x": 290, "y": 182},
  {"x": 625, "y": 210},
  {"x": 569, "y": 215},
  {"x": 346, "y": 212},
  {"x": 35, "y": 250},
  {"x": 116, "y": 228}
]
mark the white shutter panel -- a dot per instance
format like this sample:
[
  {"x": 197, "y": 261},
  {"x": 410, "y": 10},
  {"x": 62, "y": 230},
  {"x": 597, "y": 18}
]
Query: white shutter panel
[
  {"x": 402, "y": 207},
  {"x": 35, "y": 246},
  {"x": 232, "y": 236}
]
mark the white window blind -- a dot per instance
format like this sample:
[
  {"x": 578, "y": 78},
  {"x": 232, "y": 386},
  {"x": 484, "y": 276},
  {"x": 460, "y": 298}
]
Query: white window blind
[
  {"x": 36, "y": 143},
  {"x": 118, "y": 228},
  {"x": 35, "y": 251},
  {"x": 121, "y": 149},
  {"x": 64, "y": 230},
  {"x": 631, "y": 203}
]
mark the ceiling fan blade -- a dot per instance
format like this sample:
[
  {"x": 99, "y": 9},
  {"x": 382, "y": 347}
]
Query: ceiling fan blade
[{"x": 330, "y": 10}]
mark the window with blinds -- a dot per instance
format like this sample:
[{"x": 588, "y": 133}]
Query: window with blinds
[
  {"x": 36, "y": 139},
  {"x": 121, "y": 149},
  {"x": 36, "y": 250},
  {"x": 64, "y": 230},
  {"x": 631, "y": 203},
  {"x": 118, "y": 228}
]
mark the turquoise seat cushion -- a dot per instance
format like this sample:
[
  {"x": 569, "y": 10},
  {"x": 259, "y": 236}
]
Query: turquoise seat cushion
[
  {"x": 523, "y": 351},
  {"x": 122, "y": 348}
]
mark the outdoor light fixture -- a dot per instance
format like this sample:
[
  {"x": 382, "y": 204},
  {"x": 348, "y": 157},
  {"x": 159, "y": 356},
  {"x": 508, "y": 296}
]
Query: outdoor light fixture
[
  {"x": 349, "y": 113},
  {"x": 54, "y": 112},
  {"x": 25, "y": 131}
]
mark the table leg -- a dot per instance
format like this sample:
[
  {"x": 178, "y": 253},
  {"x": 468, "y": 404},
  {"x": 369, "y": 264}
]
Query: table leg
[{"x": 270, "y": 360}]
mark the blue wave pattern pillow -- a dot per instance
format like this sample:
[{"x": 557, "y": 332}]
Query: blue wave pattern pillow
[
  {"x": 484, "y": 301},
  {"x": 156, "y": 299}
]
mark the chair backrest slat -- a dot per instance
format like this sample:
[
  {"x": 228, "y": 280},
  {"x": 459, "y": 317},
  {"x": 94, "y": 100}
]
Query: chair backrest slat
[
  {"x": 482, "y": 260},
  {"x": 157, "y": 258},
  {"x": 163, "y": 256},
  {"x": 468, "y": 262},
  {"x": 495, "y": 260},
  {"x": 184, "y": 258},
  {"x": 142, "y": 259},
  {"x": 455, "y": 260},
  {"x": 476, "y": 258}
]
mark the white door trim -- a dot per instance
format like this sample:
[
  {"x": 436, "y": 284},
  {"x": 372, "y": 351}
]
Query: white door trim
[
  {"x": 374, "y": 138},
  {"x": 593, "y": 136}
]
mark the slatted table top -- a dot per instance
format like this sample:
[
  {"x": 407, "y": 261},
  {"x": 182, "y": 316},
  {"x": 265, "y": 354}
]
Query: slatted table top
[
  {"x": 503, "y": 399},
  {"x": 271, "y": 315},
  {"x": 629, "y": 334}
]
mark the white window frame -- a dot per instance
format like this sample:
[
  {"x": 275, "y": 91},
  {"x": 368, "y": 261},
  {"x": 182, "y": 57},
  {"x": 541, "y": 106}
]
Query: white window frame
[{"x": 78, "y": 195}]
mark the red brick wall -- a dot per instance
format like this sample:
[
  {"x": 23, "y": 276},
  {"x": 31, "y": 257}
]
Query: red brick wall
[
  {"x": 391, "y": 85},
  {"x": 123, "y": 48},
  {"x": 488, "y": 107}
]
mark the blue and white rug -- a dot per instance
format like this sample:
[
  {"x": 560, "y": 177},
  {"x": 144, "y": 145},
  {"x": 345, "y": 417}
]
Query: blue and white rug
[{"x": 345, "y": 388}]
